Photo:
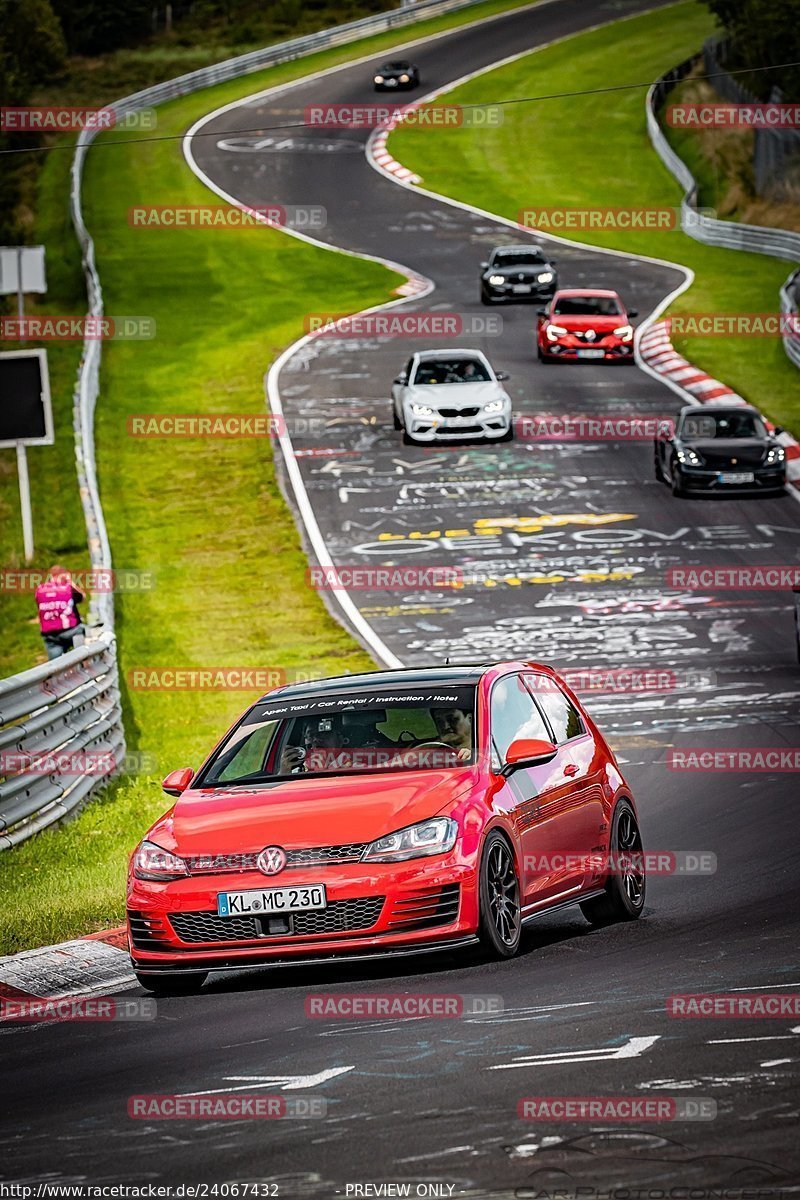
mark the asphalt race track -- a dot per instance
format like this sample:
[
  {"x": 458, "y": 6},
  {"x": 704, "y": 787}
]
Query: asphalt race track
[{"x": 593, "y": 533}]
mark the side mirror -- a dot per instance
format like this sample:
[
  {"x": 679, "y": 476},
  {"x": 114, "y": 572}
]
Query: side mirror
[
  {"x": 778, "y": 430},
  {"x": 666, "y": 431},
  {"x": 484, "y": 266},
  {"x": 541, "y": 312},
  {"x": 528, "y": 752},
  {"x": 633, "y": 312},
  {"x": 177, "y": 781},
  {"x": 501, "y": 375},
  {"x": 402, "y": 380}
]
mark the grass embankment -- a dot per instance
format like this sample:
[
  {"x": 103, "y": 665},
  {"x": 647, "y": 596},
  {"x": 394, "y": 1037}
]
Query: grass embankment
[
  {"x": 593, "y": 152},
  {"x": 206, "y": 518}
]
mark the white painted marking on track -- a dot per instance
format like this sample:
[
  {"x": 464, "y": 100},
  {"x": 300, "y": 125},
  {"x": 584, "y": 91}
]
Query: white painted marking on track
[
  {"x": 633, "y": 1048},
  {"x": 287, "y": 1083}
]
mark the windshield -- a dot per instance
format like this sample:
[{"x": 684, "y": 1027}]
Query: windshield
[
  {"x": 723, "y": 425},
  {"x": 510, "y": 258},
  {"x": 348, "y": 734},
  {"x": 452, "y": 370},
  {"x": 587, "y": 306}
]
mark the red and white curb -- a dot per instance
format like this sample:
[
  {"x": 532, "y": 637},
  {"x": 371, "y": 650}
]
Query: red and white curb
[
  {"x": 657, "y": 351},
  {"x": 96, "y": 965},
  {"x": 384, "y": 159}
]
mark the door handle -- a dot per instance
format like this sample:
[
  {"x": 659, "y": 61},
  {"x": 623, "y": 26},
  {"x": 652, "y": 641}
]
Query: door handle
[{"x": 570, "y": 769}]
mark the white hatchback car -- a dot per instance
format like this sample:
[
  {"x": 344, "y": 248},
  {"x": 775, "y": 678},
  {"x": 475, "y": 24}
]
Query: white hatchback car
[{"x": 452, "y": 394}]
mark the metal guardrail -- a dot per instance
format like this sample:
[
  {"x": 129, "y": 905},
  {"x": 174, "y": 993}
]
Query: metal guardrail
[
  {"x": 54, "y": 720},
  {"x": 72, "y": 705},
  {"x": 732, "y": 235}
]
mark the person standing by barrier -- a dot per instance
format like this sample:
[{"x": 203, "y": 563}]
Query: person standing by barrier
[{"x": 57, "y": 600}]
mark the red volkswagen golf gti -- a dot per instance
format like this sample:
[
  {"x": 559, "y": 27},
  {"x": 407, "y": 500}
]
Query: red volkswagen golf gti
[
  {"x": 387, "y": 813},
  {"x": 585, "y": 323}
]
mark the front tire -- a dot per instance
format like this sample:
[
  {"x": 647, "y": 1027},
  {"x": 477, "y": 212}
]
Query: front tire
[
  {"x": 164, "y": 984},
  {"x": 675, "y": 481},
  {"x": 659, "y": 474},
  {"x": 398, "y": 424},
  {"x": 623, "y": 899},
  {"x": 500, "y": 927}
]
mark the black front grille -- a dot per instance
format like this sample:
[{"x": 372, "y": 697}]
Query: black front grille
[
  {"x": 146, "y": 930},
  {"x": 459, "y": 412},
  {"x": 423, "y": 909},
  {"x": 313, "y": 856},
  {"x": 341, "y": 916}
]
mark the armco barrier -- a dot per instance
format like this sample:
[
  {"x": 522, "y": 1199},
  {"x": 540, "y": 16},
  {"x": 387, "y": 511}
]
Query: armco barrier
[
  {"x": 757, "y": 239},
  {"x": 56, "y": 714},
  {"x": 72, "y": 704}
]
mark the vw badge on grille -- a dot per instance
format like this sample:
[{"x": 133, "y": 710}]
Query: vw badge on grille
[{"x": 271, "y": 860}]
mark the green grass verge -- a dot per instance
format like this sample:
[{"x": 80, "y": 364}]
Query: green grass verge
[
  {"x": 206, "y": 518},
  {"x": 593, "y": 152}
]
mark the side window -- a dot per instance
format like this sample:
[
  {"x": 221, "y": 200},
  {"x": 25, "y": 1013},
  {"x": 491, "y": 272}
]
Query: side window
[
  {"x": 513, "y": 715},
  {"x": 564, "y": 718}
]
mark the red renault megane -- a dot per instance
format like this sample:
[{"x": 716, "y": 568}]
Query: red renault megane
[
  {"x": 388, "y": 813},
  {"x": 585, "y": 323}
]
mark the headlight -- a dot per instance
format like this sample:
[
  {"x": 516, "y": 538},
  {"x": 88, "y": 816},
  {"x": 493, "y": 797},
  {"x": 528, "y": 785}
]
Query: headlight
[
  {"x": 422, "y": 410},
  {"x": 624, "y": 331},
  {"x": 687, "y": 455},
  {"x": 378, "y": 79},
  {"x": 545, "y": 277},
  {"x": 775, "y": 454},
  {"x": 151, "y": 862},
  {"x": 497, "y": 279},
  {"x": 404, "y": 78},
  {"x": 436, "y": 836},
  {"x": 494, "y": 406},
  {"x": 554, "y": 332}
]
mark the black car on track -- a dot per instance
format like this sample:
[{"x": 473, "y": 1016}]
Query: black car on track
[
  {"x": 396, "y": 76},
  {"x": 518, "y": 273},
  {"x": 720, "y": 448}
]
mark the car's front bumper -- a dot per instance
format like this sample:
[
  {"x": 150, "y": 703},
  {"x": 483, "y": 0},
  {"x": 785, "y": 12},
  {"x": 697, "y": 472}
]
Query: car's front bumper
[
  {"x": 505, "y": 292},
  {"x": 699, "y": 479},
  {"x": 463, "y": 428},
  {"x": 569, "y": 349},
  {"x": 375, "y": 908}
]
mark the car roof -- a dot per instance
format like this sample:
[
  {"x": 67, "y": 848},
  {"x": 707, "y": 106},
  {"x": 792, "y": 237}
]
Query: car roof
[
  {"x": 426, "y": 355},
  {"x": 455, "y": 673},
  {"x": 587, "y": 292},
  {"x": 721, "y": 406},
  {"x": 397, "y": 62},
  {"x": 518, "y": 249}
]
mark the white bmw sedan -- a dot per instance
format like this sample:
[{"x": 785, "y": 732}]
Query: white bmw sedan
[{"x": 453, "y": 395}]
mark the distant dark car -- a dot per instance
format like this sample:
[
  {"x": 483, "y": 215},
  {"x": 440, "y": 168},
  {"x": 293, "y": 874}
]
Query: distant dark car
[
  {"x": 720, "y": 448},
  {"x": 396, "y": 76},
  {"x": 517, "y": 273}
]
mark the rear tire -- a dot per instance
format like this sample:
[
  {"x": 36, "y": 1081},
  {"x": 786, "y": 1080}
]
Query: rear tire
[
  {"x": 623, "y": 899},
  {"x": 500, "y": 927},
  {"x": 163, "y": 984},
  {"x": 398, "y": 424}
]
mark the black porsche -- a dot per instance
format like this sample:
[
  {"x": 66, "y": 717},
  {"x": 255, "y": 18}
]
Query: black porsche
[
  {"x": 396, "y": 76},
  {"x": 720, "y": 448},
  {"x": 517, "y": 273}
]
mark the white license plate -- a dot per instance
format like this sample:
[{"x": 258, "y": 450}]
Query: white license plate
[
  {"x": 271, "y": 901},
  {"x": 591, "y": 354},
  {"x": 736, "y": 477},
  {"x": 521, "y": 287}
]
